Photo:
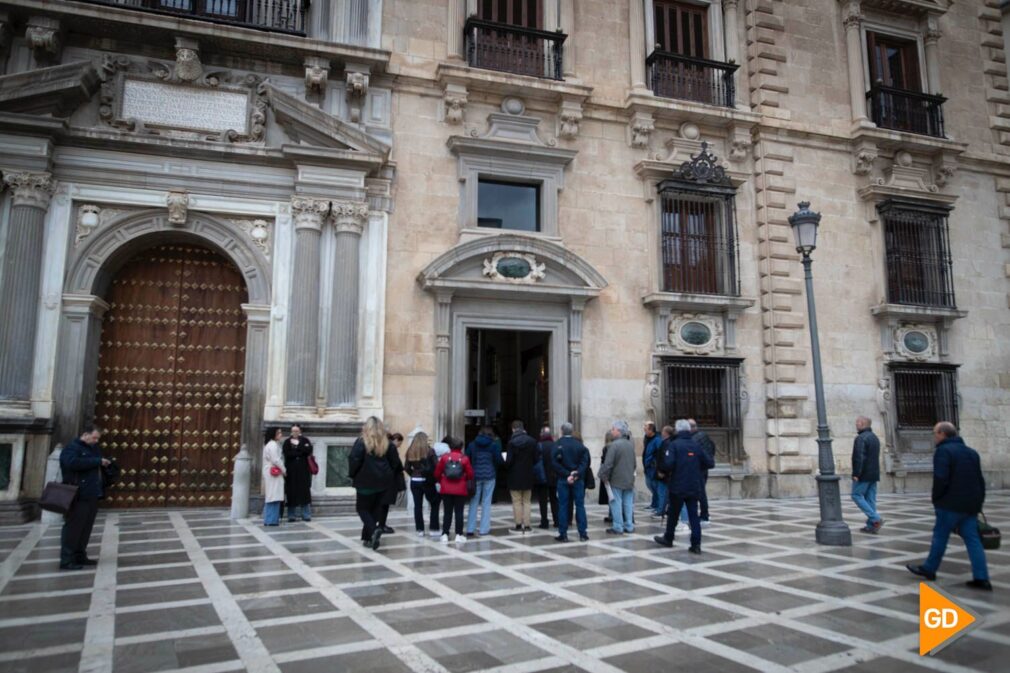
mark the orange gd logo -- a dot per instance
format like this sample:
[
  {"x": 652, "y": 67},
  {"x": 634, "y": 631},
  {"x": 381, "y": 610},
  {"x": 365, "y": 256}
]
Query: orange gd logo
[{"x": 941, "y": 620}]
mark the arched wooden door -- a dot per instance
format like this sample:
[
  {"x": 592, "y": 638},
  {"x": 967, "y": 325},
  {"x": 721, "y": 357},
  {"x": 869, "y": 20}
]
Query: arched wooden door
[{"x": 170, "y": 377}]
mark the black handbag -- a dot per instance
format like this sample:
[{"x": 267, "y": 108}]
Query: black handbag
[
  {"x": 57, "y": 497},
  {"x": 989, "y": 534}
]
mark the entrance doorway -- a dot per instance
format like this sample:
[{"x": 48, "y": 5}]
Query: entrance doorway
[
  {"x": 508, "y": 378},
  {"x": 170, "y": 377}
]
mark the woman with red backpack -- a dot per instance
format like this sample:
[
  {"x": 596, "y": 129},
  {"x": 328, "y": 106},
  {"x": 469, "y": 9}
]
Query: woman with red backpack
[{"x": 454, "y": 473}]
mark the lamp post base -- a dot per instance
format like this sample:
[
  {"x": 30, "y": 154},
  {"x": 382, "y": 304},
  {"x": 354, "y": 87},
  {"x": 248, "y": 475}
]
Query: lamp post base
[{"x": 832, "y": 530}]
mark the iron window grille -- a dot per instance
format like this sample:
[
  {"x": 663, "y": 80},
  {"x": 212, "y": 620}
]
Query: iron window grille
[
  {"x": 707, "y": 390},
  {"x": 698, "y": 229},
  {"x": 924, "y": 394},
  {"x": 917, "y": 249}
]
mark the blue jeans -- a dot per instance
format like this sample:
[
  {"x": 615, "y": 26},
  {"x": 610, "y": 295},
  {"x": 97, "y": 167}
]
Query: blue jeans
[
  {"x": 864, "y": 494},
  {"x": 622, "y": 509},
  {"x": 946, "y": 523},
  {"x": 482, "y": 498},
  {"x": 272, "y": 513},
  {"x": 653, "y": 486},
  {"x": 306, "y": 512},
  {"x": 566, "y": 494}
]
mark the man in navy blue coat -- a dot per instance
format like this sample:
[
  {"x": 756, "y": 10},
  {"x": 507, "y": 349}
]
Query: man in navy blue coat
[
  {"x": 81, "y": 463},
  {"x": 570, "y": 461},
  {"x": 958, "y": 494},
  {"x": 683, "y": 462}
]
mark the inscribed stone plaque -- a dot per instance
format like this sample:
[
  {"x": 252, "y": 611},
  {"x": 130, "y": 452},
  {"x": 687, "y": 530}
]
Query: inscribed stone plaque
[{"x": 185, "y": 107}]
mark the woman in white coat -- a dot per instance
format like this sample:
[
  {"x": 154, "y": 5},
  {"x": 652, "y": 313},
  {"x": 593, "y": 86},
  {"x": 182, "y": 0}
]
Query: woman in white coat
[{"x": 273, "y": 477}]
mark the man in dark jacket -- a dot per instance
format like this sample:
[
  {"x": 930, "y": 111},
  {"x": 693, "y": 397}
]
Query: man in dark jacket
[
  {"x": 520, "y": 455},
  {"x": 683, "y": 461},
  {"x": 866, "y": 474},
  {"x": 485, "y": 458},
  {"x": 958, "y": 494},
  {"x": 650, "y": 452},
  {"x": 570, "y": 461},
  {"x": 81, "y": 463},
  {"x": 708, "y": 447}
]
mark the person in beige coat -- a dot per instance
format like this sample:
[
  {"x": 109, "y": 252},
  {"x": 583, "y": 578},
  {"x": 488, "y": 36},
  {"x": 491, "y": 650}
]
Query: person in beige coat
[{"x": 273, "y": 477}]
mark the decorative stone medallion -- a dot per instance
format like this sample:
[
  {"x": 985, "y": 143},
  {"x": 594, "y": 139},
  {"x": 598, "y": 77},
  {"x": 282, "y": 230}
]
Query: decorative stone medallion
[
  {"x": 514, "y": 267},
  {"x": 695, "y": 334},
  {"x": 915, "y": 342}
]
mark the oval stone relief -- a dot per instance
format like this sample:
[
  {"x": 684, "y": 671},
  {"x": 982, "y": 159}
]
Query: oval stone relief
[
  {"x": 695, "y": 333},
  {"x": 916, "y": 342},
  {"x": 513, "y": 267}
]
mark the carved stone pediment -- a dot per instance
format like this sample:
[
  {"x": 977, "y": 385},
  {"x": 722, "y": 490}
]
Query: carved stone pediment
[
  {"x": 306, "y": 123},
  {"x": 57, "y": 91}
]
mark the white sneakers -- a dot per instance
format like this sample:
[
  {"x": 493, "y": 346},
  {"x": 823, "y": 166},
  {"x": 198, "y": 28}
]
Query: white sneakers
[
  {"x": 705, "y": 524},
  {"x": 682, "y": 527},
  {"x": 420, "y": 533},
  {"x": 436, "y": 533},
  {"x": 460, "y": 539},
  {"x": 445, "y": 539}
]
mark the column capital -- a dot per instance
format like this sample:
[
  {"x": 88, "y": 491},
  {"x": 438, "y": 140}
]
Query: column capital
[
  {"x": 309, "y": 212},
  {"x": 852, "y": 13},
  {"x": 349, "y": 216},
  {"x": 33, "y": 190},
  {"x": 730, "y": 4}
]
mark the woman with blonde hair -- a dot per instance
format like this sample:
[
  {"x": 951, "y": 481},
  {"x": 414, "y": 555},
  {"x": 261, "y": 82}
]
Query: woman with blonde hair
[
  {"x": 372, "y": 463},
  {"x": 273, "y": 477},
  {"x": 420, "y": 468}
]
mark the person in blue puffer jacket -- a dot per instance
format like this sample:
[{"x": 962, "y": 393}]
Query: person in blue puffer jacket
[{"x": 485, "y": 456}]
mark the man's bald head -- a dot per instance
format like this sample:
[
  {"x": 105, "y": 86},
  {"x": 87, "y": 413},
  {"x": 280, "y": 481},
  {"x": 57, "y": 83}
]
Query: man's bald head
[
  {"x": 944, "y": 430},
  {"x": 862, "y": 422}
]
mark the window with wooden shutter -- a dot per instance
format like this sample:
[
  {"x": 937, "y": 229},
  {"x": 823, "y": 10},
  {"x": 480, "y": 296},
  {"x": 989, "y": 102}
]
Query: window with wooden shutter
[
  {"x": 521, "y": 13},
  {"x": 682, "y": 28},
  {"x": 894, "y": 62}
]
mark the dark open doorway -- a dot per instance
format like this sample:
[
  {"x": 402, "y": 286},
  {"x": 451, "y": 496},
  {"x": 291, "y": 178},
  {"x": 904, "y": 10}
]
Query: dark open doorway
[{"x": 507, "y": 379}]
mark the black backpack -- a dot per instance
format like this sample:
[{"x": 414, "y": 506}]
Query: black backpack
[{"x": 454, "y": 469}]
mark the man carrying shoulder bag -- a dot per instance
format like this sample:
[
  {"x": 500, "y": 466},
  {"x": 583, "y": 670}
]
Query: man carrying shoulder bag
[{"x": 81, "y": 463}]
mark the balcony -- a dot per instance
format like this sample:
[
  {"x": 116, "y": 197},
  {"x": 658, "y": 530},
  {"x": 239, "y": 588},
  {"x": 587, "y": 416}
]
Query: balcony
[
  {"x": 513, "y": 49},
  {"x": 910, "y": 111},
  {"x": 283, "y": 16},
  {"x": 694, "y": 79}
]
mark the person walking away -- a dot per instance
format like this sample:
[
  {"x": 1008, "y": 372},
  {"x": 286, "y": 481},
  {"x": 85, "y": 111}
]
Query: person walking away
[
  {"x": 682, "y": 462},
  {"x": 397, "y": 439},
  {"x": 371, "y": 466},
  {"x": 958, "y": 495},
  {"x": 651, "y": 443},
  {"x": 570, "y": 461},
  {"x": 702, "y": 439},
  {"x": 452, "y": 472},
  {"x": 485, "y": 457},
  {"x": 866, "y": 474},
  {"x": 420, "y": 469},
  {"x": 520, "y": 456},
  {"x": 298, "y": 480},
  {"x": 547, "y": 493},
  {"x": 81, "y": 463},
  {"x": 273, "y": 477},
  {"x": 618, "y": 470}
]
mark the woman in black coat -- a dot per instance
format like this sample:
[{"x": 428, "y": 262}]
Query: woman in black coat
[
  {"x": 372, "y": 465},
  {"x": 298, "y": 482}
]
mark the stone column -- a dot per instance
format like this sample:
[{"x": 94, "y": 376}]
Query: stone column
[
  {"x": 303, "y": 311},
  {"x": 21, "y": 281},
  {"x": 443, "y": 349},
  {"x": 852, "y": 18},
  {"x": 567, "y": 23},
  {"x": 731, "y": 33},
  {"x": 932, "y": 55},
  {"x": 349, "y": 218},
  {"x": 257, "y": 344},
  {"x": 636, "y": 44},
  {"x": 77, "y": 363},
  {"x": 457, "y": 11},
  {"x": 575, "y": 361}
]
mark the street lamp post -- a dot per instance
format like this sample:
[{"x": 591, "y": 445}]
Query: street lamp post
[{"x": 832, "y": 529}]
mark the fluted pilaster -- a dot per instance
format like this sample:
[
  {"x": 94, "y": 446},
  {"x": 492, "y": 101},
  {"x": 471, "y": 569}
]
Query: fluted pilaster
[
  {"x": 349, "y": 218},
  {"x": 21, "y": 281}
]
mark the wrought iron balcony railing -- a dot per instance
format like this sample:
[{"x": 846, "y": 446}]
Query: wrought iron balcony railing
[
  {"x": 285, "y": 16},
  {"x": 521, "y": 51},
  {"x": 910, "y": 111},
  {"x": 695, "y": 79}
]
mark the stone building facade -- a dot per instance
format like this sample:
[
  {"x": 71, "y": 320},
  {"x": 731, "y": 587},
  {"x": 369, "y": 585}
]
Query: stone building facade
[{"x": 223, "y": 215}]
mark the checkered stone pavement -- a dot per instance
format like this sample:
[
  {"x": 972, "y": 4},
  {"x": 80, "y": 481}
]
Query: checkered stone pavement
[{"x": 194, "y": 591}]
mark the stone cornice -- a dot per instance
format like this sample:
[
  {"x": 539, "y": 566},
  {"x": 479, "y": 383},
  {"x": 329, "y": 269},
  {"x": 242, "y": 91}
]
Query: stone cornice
[
  {"x": 33, "y": 190},
  {"x": 503, "y": 83},
  {"x": 680, "y": 301},
  {"x": 503, "y": 148}
]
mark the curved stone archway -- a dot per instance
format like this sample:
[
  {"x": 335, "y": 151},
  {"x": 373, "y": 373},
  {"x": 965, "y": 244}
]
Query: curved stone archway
[{"x": 90, "y": 271}]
